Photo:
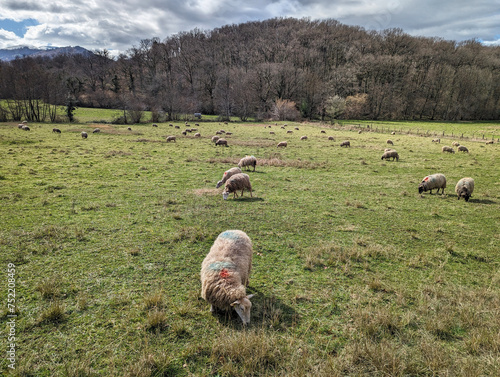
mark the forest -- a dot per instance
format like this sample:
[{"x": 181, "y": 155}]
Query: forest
[{"x": 282, "y": 68}]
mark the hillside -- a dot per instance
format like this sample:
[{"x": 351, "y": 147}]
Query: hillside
[{"x": 8, "y": 54}]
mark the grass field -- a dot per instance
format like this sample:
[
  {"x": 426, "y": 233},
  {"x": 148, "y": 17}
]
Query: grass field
[{"x": 354, "y": 273}]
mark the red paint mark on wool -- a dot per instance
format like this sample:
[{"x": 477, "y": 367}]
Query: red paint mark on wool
[
  {"x": 225, "y": 173},
  {"x": 426, "y": 178},
  {"x": 224, "y": 273}
]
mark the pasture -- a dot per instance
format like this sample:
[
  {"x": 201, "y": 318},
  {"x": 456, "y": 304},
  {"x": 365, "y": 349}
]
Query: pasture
[{"x": 354, "y": 272}]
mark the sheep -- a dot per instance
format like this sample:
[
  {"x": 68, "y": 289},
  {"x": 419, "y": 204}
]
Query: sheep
[
  {"x": 177, "y": 127},
  {"x": 20, "y": 125},
  {"x": 129, "y": 128},
  {"x": 56, "y": 130},
  {"x": 296, "y": 128},
  {"x": 170, "y": 125},
  {"x": 346, "y": 144},
  {"x": 465, "y": 188},
  {"x": 171, "y": 138},
  {"x": 489, "y": 142},
  {"x": 323, "y": 131},
  {"x": 393, "y": 133},
  {"x": 96, "y": 131},
  {"x": 248, "y": 161},
  {"x": 303, "y": 138},
  {"x": 289, "y": 132},
  {"x": 84, "y": 135},
  {"x": 26, "y": 128},
  {"x": 215, "y": 138},
  {"x": 436, "y": 140},
  {"x": 155, "y": 125},
  {"x": 197, "y": 134},
  {"x": 389, "y": 154},
  {"x": 463, "y": 148},
  {"x": 229, "y": 133},
  {"x": 448, "y": 149},
  {"x": 331, "y": 138},
  {"x": 227, "y": 174},
  {"x": 282, "y": 144},
  {"x": 389, "y": 141},
  {"x": 431, "y": 182},
  {"x": 271, "y": 132},
  {"x": 240, "y": 181},
  {"x": 455, "y": 144},
  {"x": 359, "y": 132},
  {"x": 221, "y": 142},
  {"x": 184, "y": 133},
  {"x": 389, "y": 149},
  {"x": 218, "y": 133}
]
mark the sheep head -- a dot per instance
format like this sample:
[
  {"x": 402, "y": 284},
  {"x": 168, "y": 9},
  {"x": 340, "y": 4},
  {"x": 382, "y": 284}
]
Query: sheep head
[
  {"x": 225, "y": 194},
  {"x": 421, "y": 188},
  {"x": 219, "y": 184},
  {"x": 242, "y": 307}
]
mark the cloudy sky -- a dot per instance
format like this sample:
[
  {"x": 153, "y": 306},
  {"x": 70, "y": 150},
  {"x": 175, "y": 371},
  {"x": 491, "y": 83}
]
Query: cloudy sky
[{"x": 117, "y": 25}]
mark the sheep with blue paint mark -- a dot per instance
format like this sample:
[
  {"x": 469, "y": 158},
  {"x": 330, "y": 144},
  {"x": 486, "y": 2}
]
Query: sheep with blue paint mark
[{"x": 225, "y": 274}]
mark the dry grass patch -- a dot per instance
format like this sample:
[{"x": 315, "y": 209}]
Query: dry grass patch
[{"x": 206, "y": 192}]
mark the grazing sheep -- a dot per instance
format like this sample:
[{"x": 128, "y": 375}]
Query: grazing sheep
[
  {"x": 431, "y": 182},
  {"x": 455, "y": 143},
  {"x": 331, "y": 138},
  {"x": 323, "y": 131},
  {"x": 393, "y": 133},
  {"x": 248, "y": 161},
  {"x": 218, "y": 133},
  {"x": 194, "y": 129},
  {"x": 282, "y": 144},
  {"x": 222, "y": 131},
  {"x": 56, "y": 130},
  {"x": 303, "y": 138},
  {"x": 177, "y": 127},
  {"x": 215, "y": 138},
  {"x": 289, "y": 132},
  {"x": 128, "y": 128},
  {"x": 448, "y": 149},
  {"x": 463, "y": 148},
  {"x": 389, "y": 154},
  {"x": 184, "y": 133},
  {"x": 84, "y": 135},
  {"x": 465, "y": 188},
  {"x": 296, "y": 128},
  {"x": 170, "y": 125},
  {"x": 271, "y": 132},
  {"x": 221, "y": 142},
  {"x": 346, "y": 144},
  {"x": 240, "y": 181},
  {"x": 171, "y": 138},
  {"x": 359, "y": 132},
  {"x": 489, "y": 142},
  {"x": 229, "y": 133},
  {"x": 96, "y": 131},
  {"x": 26, "y": 128},
  {"x": 197, "y": 134},
  {"x": 155, "y": 125},
  {"x": 389, "y": 141},
  {"x": 188, "y": 130},
  {"x": 227, "y": 174},
  {"x": 20, "y": 125},
  {"x": 436, "y": 140}
]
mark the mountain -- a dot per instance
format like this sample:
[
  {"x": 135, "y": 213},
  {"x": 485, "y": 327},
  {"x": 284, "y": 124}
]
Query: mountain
[{"x": 11, "y": 53}]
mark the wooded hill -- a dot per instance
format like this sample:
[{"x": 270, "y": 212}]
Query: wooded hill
[{"x": 280, "y": 68}]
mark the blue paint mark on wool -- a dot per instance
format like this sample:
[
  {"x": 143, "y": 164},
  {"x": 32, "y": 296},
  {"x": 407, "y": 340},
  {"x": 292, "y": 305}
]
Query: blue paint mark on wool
[
  {"x": 218, "y": 266},
  {"x": 229, "y": 235}
]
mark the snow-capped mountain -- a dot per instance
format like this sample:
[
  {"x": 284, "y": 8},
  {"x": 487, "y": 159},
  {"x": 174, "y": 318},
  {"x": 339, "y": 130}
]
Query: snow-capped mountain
[{"x": 14, "y": 52}]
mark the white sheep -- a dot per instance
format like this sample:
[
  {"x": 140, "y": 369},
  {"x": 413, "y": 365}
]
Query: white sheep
[
  {"x": 171, "y": 138},
  {"x": 465, "y": 188},
  {"x": 447, "y": 149},
  {"x": 96, "y": 131},
  {"x": 84, "y": 135},
  {"x": 225, "y": 274},
  {"x": 197, "y": 134},
  {"x": 282, "y": 144},
  {"x": 455, "y": 144},
  {"x": 236, "y": 182},
  {"x": 390, "y": 154},
  {"x": 431, "y": 182},
  {"x": 215, "y": 138},
  {"x": 463, "y": 148},
  {"x": 227, "y": 174},
  {"x": 303, "y": 138},
  {"x": 248, "y": 161}
]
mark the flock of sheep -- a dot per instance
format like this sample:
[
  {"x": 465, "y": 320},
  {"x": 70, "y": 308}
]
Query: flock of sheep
[{"x": 225, "y": 271}]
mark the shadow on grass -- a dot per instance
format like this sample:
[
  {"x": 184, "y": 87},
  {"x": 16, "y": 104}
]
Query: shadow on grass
[
  {"x": 267, "y": 311},
  {"x": 482, "y": 201},
  {"x": 249, "y": 199}
]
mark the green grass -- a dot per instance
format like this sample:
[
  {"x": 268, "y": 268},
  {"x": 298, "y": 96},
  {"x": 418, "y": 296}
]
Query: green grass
[{"x": 354, "y": 273}]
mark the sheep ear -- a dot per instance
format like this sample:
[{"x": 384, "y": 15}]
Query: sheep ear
[
  {"x": 237, "y": 302},
  {"x": 250, "y": 296}
]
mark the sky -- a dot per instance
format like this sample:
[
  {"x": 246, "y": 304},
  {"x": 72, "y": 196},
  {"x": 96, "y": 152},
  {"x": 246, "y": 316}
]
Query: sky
[{"x": 118, "y": 25}]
